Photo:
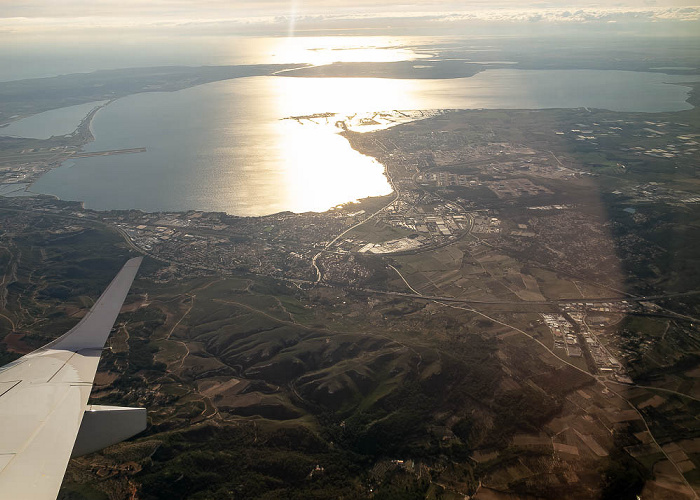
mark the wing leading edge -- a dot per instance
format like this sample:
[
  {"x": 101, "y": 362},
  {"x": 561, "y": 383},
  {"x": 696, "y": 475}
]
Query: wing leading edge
[{"x": 43, "y": 399}]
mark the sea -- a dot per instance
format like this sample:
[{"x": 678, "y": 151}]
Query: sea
[{"x": 228, "y": 146}]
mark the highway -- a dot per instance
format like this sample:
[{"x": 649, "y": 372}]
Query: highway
[{"x": 374, "y": 291}]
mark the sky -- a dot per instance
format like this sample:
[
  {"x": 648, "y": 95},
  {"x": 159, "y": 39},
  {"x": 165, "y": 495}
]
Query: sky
[
  {"x": 254, "y": 8},
  {"x": 48, "y": 37},
  {"x": 29, "y": 16}
]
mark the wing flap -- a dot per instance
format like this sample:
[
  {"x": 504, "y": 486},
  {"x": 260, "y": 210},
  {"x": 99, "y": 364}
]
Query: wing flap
[
  {"x": 44, "y": 394},
  {"x": 80, "y": 368},
  {"x": 5, "y": 459},
  {"x": 38, "y": 367},
  {"x": 37, "y": 468},
  {"x": 23, "y": 410}
]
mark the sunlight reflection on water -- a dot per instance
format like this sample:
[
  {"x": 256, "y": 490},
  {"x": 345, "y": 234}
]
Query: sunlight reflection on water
[{"x": 224, "y": 146}]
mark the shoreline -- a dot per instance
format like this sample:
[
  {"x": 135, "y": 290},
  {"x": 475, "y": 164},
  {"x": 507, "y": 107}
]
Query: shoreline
[{"x": 85, "y": 134}]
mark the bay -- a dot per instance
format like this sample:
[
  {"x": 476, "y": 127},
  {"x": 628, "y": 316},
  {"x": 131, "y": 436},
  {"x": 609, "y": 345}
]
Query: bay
[{"x": 224, "y": 146}]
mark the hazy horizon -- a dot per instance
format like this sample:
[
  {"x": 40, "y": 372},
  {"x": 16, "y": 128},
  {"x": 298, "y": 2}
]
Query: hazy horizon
[{"x": 78, "y": 36}]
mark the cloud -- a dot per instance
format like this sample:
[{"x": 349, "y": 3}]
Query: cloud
[
  {"x": 211, "y": 17},
  {"x": 226, "y": 9},
  {"x": 581, "y": 15}
]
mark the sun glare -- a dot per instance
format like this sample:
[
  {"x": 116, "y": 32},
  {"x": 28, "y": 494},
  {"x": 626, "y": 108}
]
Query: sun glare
[
  {"x": 321, "y": 170},
  {"x": 319, "y": 167},
  {"x": 326, "y": 50}
]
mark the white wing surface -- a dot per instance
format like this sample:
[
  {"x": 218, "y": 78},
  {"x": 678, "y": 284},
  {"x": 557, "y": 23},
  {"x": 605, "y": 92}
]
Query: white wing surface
[{"x": 43, "y": 400}]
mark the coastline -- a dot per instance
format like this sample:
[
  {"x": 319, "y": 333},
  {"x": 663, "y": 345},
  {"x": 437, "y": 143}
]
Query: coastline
[
  {"x": 84, "y": 128},
  {"x": 84, "y": 134}
]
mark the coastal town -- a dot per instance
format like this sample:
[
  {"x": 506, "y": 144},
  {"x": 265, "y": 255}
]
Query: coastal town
[
  {"x": 445, "y": 191},
  {"x": 482, "y": 237},
  {"x": 304, "y": 250}
]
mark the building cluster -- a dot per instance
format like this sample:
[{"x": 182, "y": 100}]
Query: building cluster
[
  {"x": 657, "y": 139},
  {"x": 277, "y": 245},
  {"x": 273, "y": 245},
  {"x": 621, "y": 306},
  {"x": 552, "y": 207},
  {"x": 604, "y": 361},
  {"x": 563, "y": 333},
  {"x": 655, "y": 193},
  {"x": 428, "y": 220},
  {"x": 578, "y": 332},
  {"x": 589, "y": 132},
  {"x": 477, "y": 172},
  {"x": 27, "y": 165},
  {"x": 515, "y": 188},
  {"x": 24, "y": 161},
  {"x": 347, "y": 269},
  {"x": 682, "y": 145},
  {"x": 444, "y": 179},
  {"x": 570, "y": 241},
  {"x": 483, "y": 224}
]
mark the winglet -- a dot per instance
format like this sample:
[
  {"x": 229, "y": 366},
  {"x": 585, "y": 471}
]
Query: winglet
[{"x": 94, "y": 328}]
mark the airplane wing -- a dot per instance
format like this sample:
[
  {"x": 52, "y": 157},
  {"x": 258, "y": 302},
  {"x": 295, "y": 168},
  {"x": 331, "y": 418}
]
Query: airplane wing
[{"x": 44, "y": 415}]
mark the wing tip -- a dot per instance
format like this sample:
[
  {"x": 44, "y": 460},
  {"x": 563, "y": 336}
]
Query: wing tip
[
  {"x": 101, "y": 317},
  {"x": 134, "y": 262}
]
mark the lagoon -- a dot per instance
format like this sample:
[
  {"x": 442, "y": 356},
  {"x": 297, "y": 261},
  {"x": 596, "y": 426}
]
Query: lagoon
[{"x": 61, "y": 121}]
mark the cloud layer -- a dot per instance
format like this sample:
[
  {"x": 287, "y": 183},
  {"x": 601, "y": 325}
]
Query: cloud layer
[{"x": 276, "y": 16}]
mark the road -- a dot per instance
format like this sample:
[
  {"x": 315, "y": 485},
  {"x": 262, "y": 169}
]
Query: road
[
  {"x": 453, "y": 302},
  {"x": 414, "y": 295},
  {"x": 319, "y": 274}
]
